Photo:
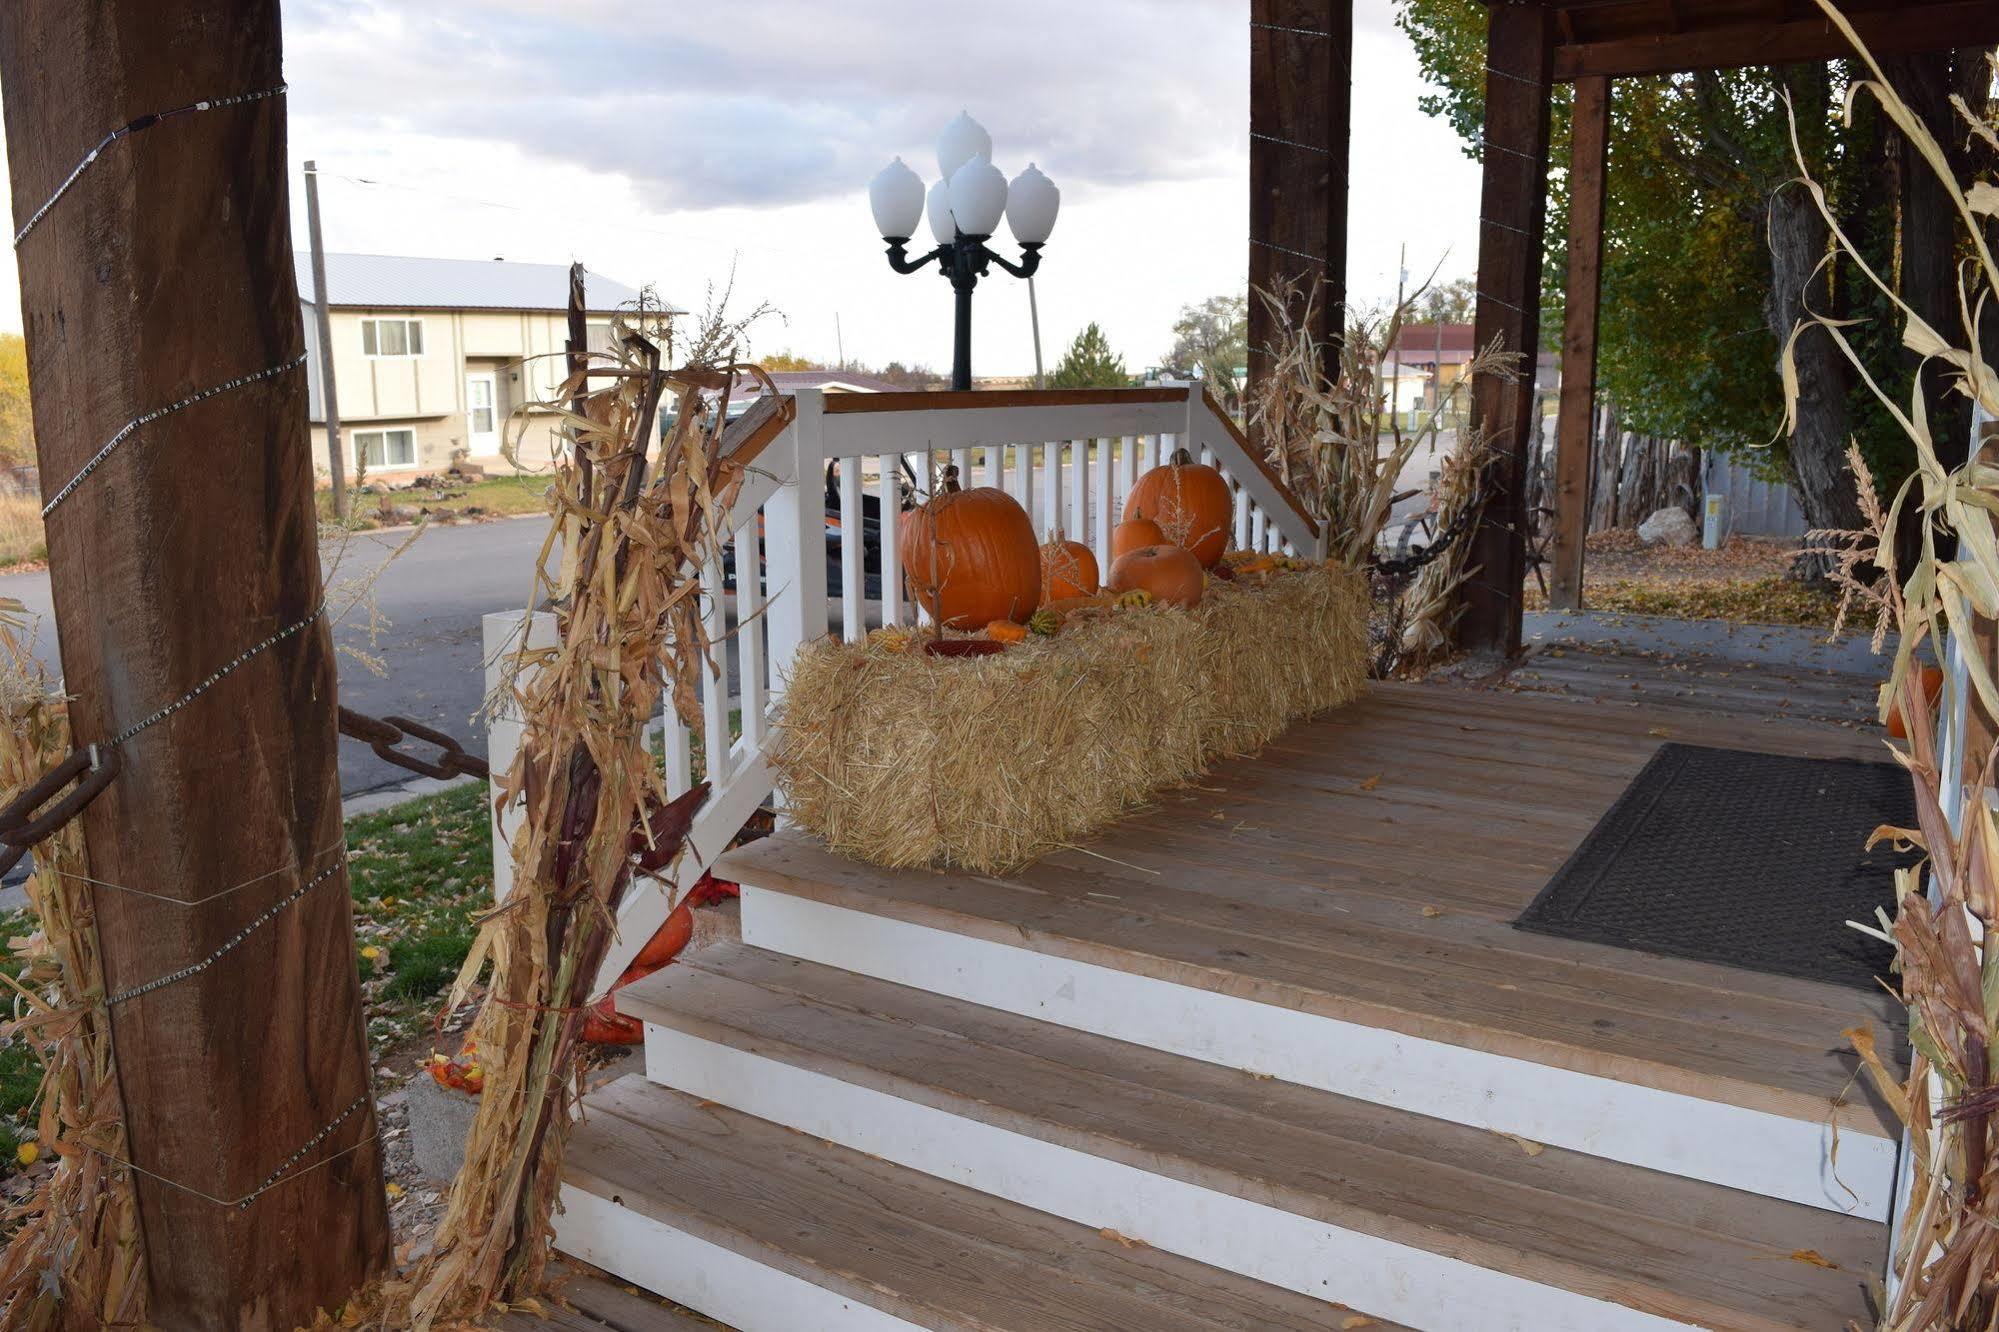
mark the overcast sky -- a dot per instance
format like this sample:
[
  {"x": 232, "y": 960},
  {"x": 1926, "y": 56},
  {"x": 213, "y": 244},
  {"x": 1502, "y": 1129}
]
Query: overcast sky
[{"x": 664, "y": 149}]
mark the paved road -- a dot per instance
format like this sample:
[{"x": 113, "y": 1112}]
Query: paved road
[{"x": 430, "y": 601}]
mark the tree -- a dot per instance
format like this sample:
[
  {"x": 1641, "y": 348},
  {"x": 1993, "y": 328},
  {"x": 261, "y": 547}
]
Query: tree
[
  {"x": 1211, "y": 336},
  {"x": 17, "y": 427},
  {"x": 1090, "y": 363},
  {"x": 1450, "y": 302},
  {"x": 785, "y": 360},
  {"x": 1710, "y": 252}
]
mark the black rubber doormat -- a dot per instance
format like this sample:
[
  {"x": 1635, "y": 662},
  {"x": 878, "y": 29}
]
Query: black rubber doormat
[{"x": 1751, "y": 860}]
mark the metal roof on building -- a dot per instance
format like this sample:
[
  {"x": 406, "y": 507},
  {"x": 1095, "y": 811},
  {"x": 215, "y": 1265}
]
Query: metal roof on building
[{"x": 400, "y": 282}]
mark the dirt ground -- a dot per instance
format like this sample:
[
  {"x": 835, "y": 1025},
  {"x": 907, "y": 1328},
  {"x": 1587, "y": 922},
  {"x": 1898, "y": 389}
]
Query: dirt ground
[
  {"x": 1744, "y": 582},
  {"x": 1619, "y": 553}
]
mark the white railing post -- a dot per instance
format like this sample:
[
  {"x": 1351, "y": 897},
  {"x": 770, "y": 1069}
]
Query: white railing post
[{"x": 795, "y": 537}]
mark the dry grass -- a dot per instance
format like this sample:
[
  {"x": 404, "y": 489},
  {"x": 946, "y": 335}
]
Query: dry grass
[
  {"x": 22, "y": 540},
  {"x": 904, "y": 758}
]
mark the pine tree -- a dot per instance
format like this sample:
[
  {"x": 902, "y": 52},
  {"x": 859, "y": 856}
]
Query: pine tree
[{"x": 1090, "y": 363}]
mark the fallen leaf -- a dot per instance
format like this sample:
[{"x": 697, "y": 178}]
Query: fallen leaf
[
  {"x": 1370, "y": 783},
  {"x": 1432, "y": 911},
  {"x": 1357, "y": 1320},
  {"x": 1659, "y": 731},
  {"x": 1125, "y": 1240},
  {"x": 1527, "y": 1145},
  {"x": 1815, "y": 1258},
  {"x": 394, "y": 1189}
]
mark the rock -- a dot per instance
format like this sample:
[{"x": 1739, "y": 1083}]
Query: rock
[
  {"x": 1668, "y": 527},
  {"x": 440, "y": 1119},
  {"x": 468, "y": 470}
]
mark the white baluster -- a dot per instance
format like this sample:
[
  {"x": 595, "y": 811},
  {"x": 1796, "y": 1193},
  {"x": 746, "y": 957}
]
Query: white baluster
[
  {"x": 1242, "y": 507},
  {"x": 962, "y": 460},
  {"x": 750, "y": 636},
  {"x": 1127, "y": 472},
  {"x": 1023, "y": 479},
  {"x": 1100, "y": 539},
  {"x": 1259, "y": 531},
  {"x": 795, "y": 536},
  {"x": 1051, "y": 506},
  {"x": 995, "y": 466},
  {"x": 1079, "y": 490},
  {"x": 853, "y": 553},
  {"x": 890, "y": 545},
  {"x": 679, "y": 761},
  {"x": 715, "y": 682}
]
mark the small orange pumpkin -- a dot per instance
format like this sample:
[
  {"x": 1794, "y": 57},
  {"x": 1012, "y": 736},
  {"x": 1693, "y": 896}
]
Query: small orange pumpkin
[
  {"x": 1192, "y": 504},
  {"x": 1167, "y": 573},
  {"x": 971, "y": 557},
  {"x": 1134, "y": 534},
  {"x": 1068, "y": 569},
  {"x": 1006, "y": 631},
  {"x": 1932, "y": 685}
]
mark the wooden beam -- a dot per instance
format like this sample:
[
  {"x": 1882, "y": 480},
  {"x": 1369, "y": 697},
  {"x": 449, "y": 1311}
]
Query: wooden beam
[
  {"x": 1929, "y": 27},
  {"x": 1512, "y": 211},
  {"x": 164, "y": 270},
  {"x": 1589, "y": 150},
  {"x": 1300, "y": 107}
]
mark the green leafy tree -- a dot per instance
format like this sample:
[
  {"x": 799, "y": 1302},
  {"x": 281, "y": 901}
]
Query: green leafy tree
[
  {"x": 1211, "y": 336},
  {"x": 1090, "y": 363},
  {"x": 1710, "y": 250},
  {"x": 1451, "y": 302}
]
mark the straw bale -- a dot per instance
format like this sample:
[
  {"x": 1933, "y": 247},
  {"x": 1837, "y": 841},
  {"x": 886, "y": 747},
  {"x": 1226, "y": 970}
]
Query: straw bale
[{"x": 902, "y": 758}]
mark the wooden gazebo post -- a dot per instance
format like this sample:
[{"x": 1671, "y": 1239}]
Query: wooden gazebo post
[
  {"x": 1300, "y": 107},
  {"x": 1513, "y": 208},
  {"x": 1589, "y": 154},
  {"x": 187, "y": 592}
]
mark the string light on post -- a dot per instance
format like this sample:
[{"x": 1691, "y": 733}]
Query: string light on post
[{"x": 964, "y": 208}]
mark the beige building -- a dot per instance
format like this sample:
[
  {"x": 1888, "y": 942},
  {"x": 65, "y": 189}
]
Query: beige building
[{"x": 432, "y": 356}]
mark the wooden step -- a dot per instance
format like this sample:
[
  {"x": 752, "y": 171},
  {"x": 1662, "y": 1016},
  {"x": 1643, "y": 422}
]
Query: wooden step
[
  {"x": 770, "y": 1230},
  {"x": 1420, "y": 1219},
  {"x": 1219, "y": 946}
]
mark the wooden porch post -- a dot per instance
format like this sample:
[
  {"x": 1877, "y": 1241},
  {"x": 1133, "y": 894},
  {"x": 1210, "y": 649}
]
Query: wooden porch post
[
  {"x": 1513, "y": 208},
  {"x": 187, "y": 592},
  {"x": 1300, "y": 105},
  {"x": 1589, "y": 139}
]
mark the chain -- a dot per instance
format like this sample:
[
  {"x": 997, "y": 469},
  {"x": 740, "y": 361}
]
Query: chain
[
  {"x": 1405, "y": 565},
  {"x": 133, "y": 127},
  {"x": 235, "y": 940},
  {"x": 383, "y": 734}
]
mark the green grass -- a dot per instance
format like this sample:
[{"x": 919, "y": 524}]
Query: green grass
[
  {"x": 420, "y": 874},
  {"x": 495, "y": 495}
]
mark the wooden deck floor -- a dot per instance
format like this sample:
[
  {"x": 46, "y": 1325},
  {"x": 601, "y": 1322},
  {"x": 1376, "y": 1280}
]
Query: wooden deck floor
[{"x": 1367, "y": 866}]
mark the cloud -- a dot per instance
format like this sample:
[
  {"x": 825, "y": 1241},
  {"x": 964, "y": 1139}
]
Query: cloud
[{"x": 784, "y": 101}]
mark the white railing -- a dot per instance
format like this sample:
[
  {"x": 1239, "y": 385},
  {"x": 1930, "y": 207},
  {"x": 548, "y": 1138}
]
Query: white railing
[{"x": 823, "y": 472}]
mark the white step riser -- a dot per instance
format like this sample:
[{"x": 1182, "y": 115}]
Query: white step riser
[
  {"x": 1682, "y": 1135},
  {"x": 1391, "y": 1280},
  {"x": 707, "y": 1278}
]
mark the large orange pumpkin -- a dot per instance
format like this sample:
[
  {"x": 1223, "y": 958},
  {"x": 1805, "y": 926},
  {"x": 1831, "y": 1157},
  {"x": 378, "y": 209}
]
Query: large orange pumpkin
[
  {"x": 971, "y": 557},
  {"x": 1192, "y": 504},
  {"x": 1068, "y": 569},
  {"x": 1932, "y": 685},
  {"x": 1134, "y": 534},
  {"x": 1170, "y": 573}
]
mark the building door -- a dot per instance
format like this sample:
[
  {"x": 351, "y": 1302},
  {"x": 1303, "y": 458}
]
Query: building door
[{"x": 482, "y": 415}]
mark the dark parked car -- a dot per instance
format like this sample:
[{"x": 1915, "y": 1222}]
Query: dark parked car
[{"x": 871, "y": 534}]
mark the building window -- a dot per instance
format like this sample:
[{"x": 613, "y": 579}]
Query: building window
[
  {"x": 597, "y": 338},
  {"x": 392, "y": 337},
  {"x": 384, "y": 448}
]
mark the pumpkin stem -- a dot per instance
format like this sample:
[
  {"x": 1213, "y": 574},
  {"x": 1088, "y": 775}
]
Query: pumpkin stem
[
  {"x": 1181, "y": 458},
  {"x": 951, "y": 478}
]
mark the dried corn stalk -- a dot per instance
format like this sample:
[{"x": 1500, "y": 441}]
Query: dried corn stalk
[
  {"x": 1341, "y": 451},
  {"x": 628, "y": 607},
  {"x": 1946, "y": 1261},
  {"x": 75, "y": 1258}
]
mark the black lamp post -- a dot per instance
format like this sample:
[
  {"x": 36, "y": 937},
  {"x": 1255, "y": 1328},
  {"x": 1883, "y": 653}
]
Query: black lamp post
[{"x": 964, "y": 208}]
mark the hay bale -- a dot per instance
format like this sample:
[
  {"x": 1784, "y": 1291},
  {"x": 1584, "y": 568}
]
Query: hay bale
[{"x": 903, "y": 759}]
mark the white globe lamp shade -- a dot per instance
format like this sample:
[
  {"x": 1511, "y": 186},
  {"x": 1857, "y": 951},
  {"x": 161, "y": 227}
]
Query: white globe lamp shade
[
  {"x": 978, "y": 197},
  {"x": 942, "y": 225},
  {"x": 1031, "y": 204},
  {"x": 896, "y": 195},
  {"x": 962, "y": 140}
]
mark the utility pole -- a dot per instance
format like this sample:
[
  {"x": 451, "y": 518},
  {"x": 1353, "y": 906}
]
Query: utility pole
[
  {"x": 158, "y": 286},
  {"x": 329, "y": 401},
  {"x": 839, "y": 340}
]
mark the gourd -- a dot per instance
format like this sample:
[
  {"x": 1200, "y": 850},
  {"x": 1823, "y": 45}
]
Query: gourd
[
  {"x": 1006, "y": 631},
  {"x": 1068, "y": 569},
  {"x": 1192, "y": 504},
  {"x": 1134, "y": 534},
  {"x": 1932, "y": 685},
  {"x": 971, "y": 557},
  {"x": 1166, "y": 573}
]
